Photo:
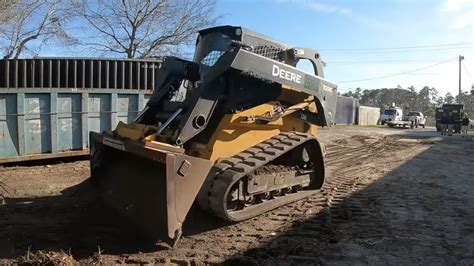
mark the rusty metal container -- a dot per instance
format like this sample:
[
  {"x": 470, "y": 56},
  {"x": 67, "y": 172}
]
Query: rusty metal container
[{"x": 48, "y": 106}]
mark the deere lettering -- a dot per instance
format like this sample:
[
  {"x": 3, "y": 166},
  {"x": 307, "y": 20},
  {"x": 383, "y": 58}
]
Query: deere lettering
[{"x": 285, "y": 74}]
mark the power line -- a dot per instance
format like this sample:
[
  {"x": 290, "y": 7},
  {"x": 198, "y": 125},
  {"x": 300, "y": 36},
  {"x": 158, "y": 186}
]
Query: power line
[
  {"x": 400, "y": 47},
  {"x": 388, "y": 60},
  {"x": 380, "y": 62},
  {"x": 397, "y": 74},
  {"x": 396, "y": 51},
  {"x": 465, "y": 69},
  {"x": 467, "y": 60}
]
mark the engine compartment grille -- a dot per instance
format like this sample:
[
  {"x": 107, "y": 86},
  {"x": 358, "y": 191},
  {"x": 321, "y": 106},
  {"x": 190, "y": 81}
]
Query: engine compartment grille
[{"x": 269, "y": 51}]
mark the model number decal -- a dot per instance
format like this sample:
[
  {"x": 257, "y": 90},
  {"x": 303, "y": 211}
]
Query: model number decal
[
  {"x": 113, "y": 143},
  {"x": 327, "y": 88},
  {"x": 285, "y": 74}
]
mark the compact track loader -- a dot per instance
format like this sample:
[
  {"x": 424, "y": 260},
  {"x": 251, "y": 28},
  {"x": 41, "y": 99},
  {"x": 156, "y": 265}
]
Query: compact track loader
[{"x": 234, "y": 130}]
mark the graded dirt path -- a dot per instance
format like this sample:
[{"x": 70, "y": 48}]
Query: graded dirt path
[{"x": 394, "y": 196}]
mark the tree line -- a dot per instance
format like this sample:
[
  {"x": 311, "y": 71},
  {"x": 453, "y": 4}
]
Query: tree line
[
  {"x": 424, "y": 100},
  {"x": 123, "y": 28}
]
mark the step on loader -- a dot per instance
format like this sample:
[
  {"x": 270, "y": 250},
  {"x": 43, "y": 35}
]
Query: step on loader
[{"x": 233, "y": 130}]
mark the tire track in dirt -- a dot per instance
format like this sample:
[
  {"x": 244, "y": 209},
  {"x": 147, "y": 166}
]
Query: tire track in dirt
[
  {"x": 351, "y": 167},
  {"x": 350, "y": 175},
  {"x": 307, "y": 225},
  {"x": 343, "y": 160}
]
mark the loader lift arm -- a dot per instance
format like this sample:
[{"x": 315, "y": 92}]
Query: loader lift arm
[{"x": 204, "y": 94}]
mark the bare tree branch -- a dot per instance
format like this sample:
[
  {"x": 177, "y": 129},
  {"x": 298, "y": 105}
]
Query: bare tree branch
[
  {"x": 6, "y": 13},
  {"x": 31, "y": 21},
  {"x": 143, "y": 28}
]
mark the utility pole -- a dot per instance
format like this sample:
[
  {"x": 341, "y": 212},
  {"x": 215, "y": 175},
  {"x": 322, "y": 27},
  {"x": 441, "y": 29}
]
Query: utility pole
[{"x": 459, "y": 95}]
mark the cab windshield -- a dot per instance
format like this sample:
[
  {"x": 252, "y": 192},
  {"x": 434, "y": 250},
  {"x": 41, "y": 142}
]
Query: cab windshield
[
  {"x": 389, "y": 112},
  {"x": 211, "y": 47}
]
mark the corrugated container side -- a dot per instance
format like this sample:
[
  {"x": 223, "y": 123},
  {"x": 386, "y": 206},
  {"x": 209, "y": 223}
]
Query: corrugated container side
[
  {"x": 36, "y": 124},
  {"x": 49, "y": 105}
]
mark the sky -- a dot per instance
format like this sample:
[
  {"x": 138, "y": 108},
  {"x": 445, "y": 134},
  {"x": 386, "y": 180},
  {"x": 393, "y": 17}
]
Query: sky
[
  {"x": 365, "y": 43},
  {"x": 368, "y": 39}
]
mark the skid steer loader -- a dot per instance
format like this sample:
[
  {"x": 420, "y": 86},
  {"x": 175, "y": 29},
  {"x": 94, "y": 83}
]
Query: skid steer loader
[{"x": 234, "y": 129}]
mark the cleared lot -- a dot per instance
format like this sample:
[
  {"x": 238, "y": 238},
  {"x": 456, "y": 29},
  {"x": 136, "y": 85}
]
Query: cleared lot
[{"x": 394, "y": 196}]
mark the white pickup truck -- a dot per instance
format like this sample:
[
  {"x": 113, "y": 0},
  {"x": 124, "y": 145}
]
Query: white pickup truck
[
  {"x": 398, "y": 117},
  {"x": 417, "y": 118},
  {"x": 393, "y": 116},
  {"x": 390, "y": 114}
]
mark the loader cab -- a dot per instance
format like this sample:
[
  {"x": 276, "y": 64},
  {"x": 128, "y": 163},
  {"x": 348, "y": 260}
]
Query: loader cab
[
  {"x": 214, "y": 42},
  {"x": 210, "y": 47}
]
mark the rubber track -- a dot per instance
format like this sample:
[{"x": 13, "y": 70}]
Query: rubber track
[{"x": 228, "y": 171}]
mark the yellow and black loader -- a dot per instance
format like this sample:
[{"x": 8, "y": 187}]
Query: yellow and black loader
[{"x": 234, "y": 129}]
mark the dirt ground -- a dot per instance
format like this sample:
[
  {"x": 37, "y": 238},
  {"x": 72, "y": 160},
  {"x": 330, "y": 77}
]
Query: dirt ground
[{"x": 393, "y": 197}]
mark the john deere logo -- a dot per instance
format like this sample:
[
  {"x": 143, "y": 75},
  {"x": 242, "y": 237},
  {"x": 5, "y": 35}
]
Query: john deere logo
[{"x": 285, "y": 74}]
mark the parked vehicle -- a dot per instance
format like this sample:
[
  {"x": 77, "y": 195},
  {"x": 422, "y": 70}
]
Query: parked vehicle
[
  {"x": 390, "y": 114},
  {"x": 394, "y": 116},
  {"x": 417, "y": 118},
  {"x": 454, "y": 110}
]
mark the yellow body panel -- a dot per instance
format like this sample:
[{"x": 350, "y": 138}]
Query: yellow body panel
[
  {"x": 234, "y": 134},
  {"x": 134, "y": 131}
]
